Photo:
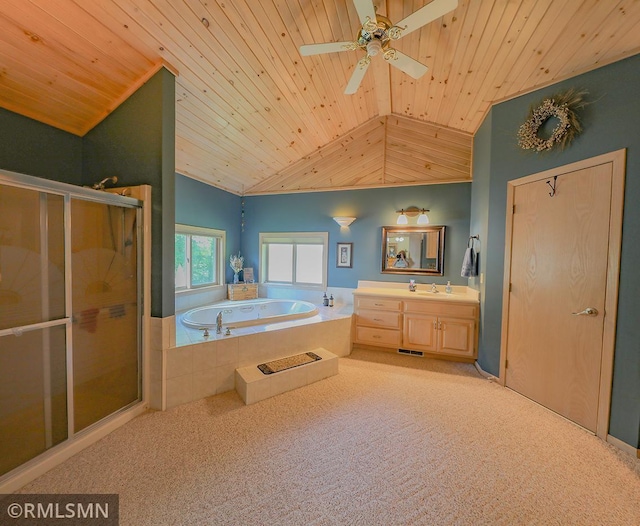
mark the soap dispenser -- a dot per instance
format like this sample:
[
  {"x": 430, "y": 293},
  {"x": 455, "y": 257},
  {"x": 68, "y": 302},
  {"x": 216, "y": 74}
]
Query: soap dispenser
[
  {"x": 325, "y": 300},
  {"x": 448, "y": 289},
  {"x": 331, "y": 300}
]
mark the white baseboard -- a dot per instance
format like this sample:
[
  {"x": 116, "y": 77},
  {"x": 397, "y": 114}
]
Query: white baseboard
[
  {"x": 623, "y": 446},
  {"x": 484, "y": 373},
  {"x": 57, "y": 455}
]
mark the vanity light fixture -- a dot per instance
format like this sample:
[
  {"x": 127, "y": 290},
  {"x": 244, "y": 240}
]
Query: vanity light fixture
[
  {"x": 423, "y": 218},
  {"x": 344, "y": 221}
]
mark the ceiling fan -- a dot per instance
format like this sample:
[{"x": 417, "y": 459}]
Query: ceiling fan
[{"x": 375, "y": 36}]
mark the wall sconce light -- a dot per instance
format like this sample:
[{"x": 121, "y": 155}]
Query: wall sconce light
[
  {"x": 423, "y": 218},
  {"x": 344, "y": 221}
]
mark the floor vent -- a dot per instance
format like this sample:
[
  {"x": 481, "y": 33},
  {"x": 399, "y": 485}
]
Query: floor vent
[{"x": 410, "y": 353}]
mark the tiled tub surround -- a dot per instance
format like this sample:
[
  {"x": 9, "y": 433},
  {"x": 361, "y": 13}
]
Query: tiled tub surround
[{"x": 192, "y": 367}]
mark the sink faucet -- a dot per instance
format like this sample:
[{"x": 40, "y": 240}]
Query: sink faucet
[
  {"x": 434, "y": 289},
  {"x": 219, "y": 323}
]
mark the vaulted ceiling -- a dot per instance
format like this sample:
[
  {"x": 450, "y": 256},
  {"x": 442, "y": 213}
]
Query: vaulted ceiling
[{"x": 254, "y": 116}]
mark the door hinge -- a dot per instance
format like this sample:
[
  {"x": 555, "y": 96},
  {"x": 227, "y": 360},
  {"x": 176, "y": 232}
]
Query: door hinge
[
  {"x": 513, "y": 211},
  {"x": 506, "y": 364},
  {"x": 509, "y": 287}
]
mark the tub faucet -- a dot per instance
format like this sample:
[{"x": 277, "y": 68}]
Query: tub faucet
[{"x": 219, "y": 323}]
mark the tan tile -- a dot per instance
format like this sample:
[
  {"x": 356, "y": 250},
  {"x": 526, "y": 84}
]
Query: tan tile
[
  {"x": 205, "y": 356},
  {"x": 225, "y": 378},
  {"x": 228, "y": 351},
  {"x": 179, "y": 361},
  {"x": 179, "y": 390},
  {"x": 205, "y": 384}
]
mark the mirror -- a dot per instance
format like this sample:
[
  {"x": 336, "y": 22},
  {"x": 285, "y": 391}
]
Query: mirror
[{"x": 413, "y": 250}]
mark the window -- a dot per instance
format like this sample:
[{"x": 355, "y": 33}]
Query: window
[
  {"x": 298, "y": 258},
  {"x": 199, "y": 257}
]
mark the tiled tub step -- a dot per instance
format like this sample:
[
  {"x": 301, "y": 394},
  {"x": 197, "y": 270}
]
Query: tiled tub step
[{"x": 253, "y": 385}]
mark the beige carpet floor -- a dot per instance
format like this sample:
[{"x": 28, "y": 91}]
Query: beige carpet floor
[{"x": 391, "y": 440}]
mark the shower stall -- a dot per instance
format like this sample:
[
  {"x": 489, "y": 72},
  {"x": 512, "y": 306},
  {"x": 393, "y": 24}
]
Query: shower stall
[{"x": 70, "y": 314}]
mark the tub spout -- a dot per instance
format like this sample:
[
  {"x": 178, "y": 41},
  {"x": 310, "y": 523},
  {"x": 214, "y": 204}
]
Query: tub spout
[{"x": 219, "y": 323}]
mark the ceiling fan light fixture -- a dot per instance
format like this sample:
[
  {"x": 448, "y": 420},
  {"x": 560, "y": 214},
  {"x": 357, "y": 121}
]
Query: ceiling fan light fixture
[
  {"x": 370, "y": 25},
  {"x": 374, "y": 47},
  {"x": 395, "y": 32},
  {"x": 390, "y": 54}
]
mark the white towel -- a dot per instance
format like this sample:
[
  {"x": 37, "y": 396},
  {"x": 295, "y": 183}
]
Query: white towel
[{"x": 469, "y": 264}]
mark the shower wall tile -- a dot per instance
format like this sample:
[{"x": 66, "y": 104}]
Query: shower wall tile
[{"x": 155, "y": 339}]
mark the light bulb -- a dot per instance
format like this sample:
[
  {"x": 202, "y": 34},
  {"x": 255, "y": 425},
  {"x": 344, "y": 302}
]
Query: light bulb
[{"x": 374, "y": 47}]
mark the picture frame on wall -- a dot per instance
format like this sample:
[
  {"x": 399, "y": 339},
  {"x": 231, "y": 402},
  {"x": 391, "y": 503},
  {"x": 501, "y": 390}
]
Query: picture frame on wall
[{"x": 344, "y": 255}]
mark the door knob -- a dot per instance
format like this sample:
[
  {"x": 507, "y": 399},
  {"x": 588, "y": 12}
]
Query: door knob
[{"x": 589, "y": 311}]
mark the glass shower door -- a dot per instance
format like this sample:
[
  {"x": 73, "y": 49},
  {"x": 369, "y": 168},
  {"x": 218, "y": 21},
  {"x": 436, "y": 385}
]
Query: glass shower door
[
  {"x": 106, "y": 361},
  {"x": 70, "y": 313},
  {"x": 33, "y": 325}
]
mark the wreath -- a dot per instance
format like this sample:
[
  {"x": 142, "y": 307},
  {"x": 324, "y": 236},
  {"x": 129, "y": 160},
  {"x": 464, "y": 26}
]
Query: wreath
[{"x": 561, "y": 107}]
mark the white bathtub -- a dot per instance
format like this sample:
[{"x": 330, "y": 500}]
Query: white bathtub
[{"x": 250, "y": 312}]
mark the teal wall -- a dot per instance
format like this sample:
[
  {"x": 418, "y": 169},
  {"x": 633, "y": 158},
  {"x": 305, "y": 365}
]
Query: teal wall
[
  {"x": 198, "y": 204},
  {"x": 373, "y": 208},
  {"x": 136, "y": 142},
  {"x": 32, "y": 148},
  {"x": 610, "y": 123}
]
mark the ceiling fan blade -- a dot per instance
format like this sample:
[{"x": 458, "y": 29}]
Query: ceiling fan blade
[
  {"x": 426, "y": 14},
  {"x": 410, "y": 66},
  {"x": 328, "y": 47},
  {"x": 365, "y": 10},
  {"x": 357, "y": 76}
]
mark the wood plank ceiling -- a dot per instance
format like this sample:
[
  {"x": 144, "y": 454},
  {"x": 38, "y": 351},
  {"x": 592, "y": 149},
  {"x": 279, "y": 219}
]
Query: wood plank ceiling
[{"x": 253, "y": 116}]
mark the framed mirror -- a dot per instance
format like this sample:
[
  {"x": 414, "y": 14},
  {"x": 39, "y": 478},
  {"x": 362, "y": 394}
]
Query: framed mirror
[{"x": 413, "y": 250}]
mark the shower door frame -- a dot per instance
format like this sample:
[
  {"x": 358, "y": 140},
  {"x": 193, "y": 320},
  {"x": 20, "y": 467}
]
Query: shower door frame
[{"x": 76, "y": 441}]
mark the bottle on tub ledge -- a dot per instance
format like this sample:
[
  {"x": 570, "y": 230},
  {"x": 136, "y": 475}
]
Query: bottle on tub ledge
[
  {"x": 325, "y": 300},
  {"x": 331, "y": 300}
]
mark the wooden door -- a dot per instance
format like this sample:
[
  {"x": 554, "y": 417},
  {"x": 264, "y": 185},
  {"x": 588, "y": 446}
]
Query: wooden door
[{"x": 559, "y": 258}]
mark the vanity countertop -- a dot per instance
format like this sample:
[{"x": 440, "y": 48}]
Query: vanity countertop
[{"x": 460, "y": 294}]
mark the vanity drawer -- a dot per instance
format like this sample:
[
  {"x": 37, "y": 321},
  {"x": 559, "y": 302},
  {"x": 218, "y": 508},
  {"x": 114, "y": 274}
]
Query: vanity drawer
[
  {"x": 451, "y": 310},
  {"x": 378, "y": 318},
  {"x": 378, "y": 304},
  {"x": 381, "y": 337}
]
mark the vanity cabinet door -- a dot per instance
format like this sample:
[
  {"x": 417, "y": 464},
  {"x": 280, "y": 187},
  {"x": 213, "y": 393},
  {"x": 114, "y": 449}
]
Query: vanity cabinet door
[
  {"x": 420, "y": 332},
  {"x": 456, "y": 337}
]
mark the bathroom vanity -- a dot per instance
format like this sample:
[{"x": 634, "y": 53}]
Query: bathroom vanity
[{"x": 387, "y": 316}]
